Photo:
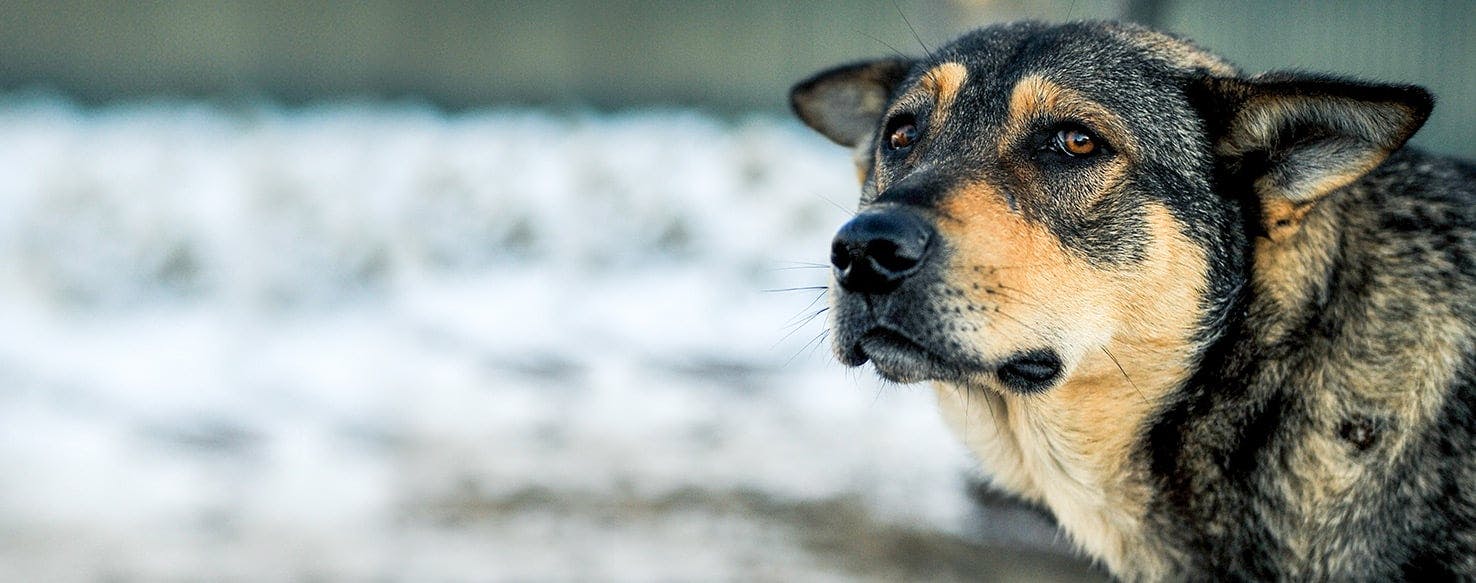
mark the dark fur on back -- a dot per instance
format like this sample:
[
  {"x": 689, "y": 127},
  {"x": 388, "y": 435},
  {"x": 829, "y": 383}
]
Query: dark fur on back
[
  {"x": 1234, "y": 339},
  {"x": 1405, "y": 254}
]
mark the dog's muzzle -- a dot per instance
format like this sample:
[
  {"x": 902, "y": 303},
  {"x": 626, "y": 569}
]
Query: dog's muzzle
[{"x": 901, "y": 329}]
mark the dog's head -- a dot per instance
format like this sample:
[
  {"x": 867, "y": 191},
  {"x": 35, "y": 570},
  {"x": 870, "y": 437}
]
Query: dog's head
[{"x": 1045, "y": 203}]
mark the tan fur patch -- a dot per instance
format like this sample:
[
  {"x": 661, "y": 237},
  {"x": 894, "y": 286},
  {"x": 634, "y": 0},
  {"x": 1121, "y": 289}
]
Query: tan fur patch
[
  {"x": 1033, "y": 96},
  {"x": 941, "y": 85},
  {"x": 1290, "y": 260},
  {"x": 1124, "y": 335},
  {"x": 944, "y": 82},
  {"x": 1281, "y": 217}
]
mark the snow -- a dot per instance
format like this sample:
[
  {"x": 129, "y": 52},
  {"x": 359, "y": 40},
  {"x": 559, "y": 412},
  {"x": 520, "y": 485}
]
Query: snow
[{"x": 381, "y": 342}]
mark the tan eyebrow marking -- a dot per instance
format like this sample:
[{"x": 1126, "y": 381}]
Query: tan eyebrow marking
[
  {"x": 944, "y": 81},
  {"x": 1035, "y": 97},
  {"x": 941, "y": 84}
]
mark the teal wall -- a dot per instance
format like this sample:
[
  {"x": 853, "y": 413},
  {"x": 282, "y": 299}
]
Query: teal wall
[
  {"x": 722, "y": 56},
  {"x": 728, "y": 55},
  {"x": 1426, "y": 43}
]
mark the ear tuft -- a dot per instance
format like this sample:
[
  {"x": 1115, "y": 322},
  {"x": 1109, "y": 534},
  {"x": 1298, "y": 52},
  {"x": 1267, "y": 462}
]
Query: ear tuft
[{"x": 846, "y": 102}]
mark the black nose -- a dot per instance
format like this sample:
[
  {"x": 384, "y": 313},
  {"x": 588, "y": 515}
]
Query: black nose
[{"x": 875, "y": 251}]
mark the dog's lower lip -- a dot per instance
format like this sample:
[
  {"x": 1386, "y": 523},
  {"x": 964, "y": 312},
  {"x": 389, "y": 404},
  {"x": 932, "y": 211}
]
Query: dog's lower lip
[
  {"x": 855, "y": 355},
  {"x": 889, "y": 336},
  {"x": 895, "y": 356}
]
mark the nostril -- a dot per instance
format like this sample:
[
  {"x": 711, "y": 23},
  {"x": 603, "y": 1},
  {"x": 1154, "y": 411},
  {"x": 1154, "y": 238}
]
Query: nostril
[
  {"x": 894, "y": 257},
  {"x": 840, "y": 255},
  {"x": 882, "y": 251}
]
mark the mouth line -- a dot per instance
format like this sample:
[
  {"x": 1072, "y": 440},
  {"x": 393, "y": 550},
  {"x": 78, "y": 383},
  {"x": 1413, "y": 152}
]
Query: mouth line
[
  {"x": 881, "y": 334},
  {"x": 897, "y": 357}
]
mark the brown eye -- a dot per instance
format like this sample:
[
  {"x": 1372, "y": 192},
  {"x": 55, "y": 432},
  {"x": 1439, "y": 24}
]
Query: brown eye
[
  {"x": 902, "y": 137},
  {"x": 1076, "y": 142}
]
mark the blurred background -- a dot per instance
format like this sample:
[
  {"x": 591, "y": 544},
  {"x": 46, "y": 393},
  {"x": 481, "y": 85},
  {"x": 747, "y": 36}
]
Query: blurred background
[{"x": 496, "y": 291}]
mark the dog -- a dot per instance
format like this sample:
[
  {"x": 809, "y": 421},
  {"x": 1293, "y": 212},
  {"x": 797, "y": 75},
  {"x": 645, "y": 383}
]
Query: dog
[{"x": 1220, "y": 325}]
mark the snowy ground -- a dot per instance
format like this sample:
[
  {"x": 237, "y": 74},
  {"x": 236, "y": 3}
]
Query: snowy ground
[{"x": 381, "y": 343}]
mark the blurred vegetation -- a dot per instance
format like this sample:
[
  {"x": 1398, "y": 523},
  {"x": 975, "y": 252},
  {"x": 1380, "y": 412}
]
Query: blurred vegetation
[{"x": 719, "y": 56}]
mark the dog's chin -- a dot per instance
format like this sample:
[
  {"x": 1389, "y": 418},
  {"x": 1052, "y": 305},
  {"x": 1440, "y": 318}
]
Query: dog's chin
[{"x": 899, "y": 359}]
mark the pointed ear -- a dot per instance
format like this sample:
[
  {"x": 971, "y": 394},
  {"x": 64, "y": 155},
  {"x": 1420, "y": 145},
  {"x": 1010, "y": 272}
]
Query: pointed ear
[
  {"x": 1296, "y": 137},
  {"x": 845, "y": 103}
]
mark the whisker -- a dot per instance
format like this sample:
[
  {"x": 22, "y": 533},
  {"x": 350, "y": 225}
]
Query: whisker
[
  {"x": 797, "y": 326},
  {"x": 801, "y": 266},
  {"x": 914, "y": 30},
  {"x": 1125, "y": 375},
  {"x": 993, "y": 415},
  {"x": 1008, "y": 294},
  {"x": 1028, "y": 295},
  {"x": 1104, "y": 351},
  {"x": 824, "y": 336},
  {"x": 1026, "y": 265},
  {"x": 968, "y": 402},
  {"x": 807, "y": 307},
  {"x": 799, "y": 322},
  {"x": 1019, "y": 321},
  {"x": 794, "y": 289},
  {"x": 883, "y": 43},
  {"x": 811, "y": 345},
  {"x": 843, "y": 209}
]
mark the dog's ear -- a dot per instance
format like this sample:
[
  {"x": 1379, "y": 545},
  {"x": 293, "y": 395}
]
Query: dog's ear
[
  {"x": 1296, "y": 137},
  {"x": 846, "y": 102}
]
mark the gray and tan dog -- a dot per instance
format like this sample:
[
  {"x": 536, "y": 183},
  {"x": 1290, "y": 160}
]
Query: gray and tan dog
[{"x": 1220, "y": 325}]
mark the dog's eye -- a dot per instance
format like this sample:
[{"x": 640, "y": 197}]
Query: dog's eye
[
  {"x": 902, "y": 137},
  {"x": 1070, "y": 143},
  {"x": 1076, "y": 142},
  {"x": 901, "y": 133}
]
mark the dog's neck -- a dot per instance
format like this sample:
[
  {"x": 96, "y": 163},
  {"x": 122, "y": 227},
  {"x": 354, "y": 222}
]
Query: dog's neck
[
  {"x": 1079, "y": 449},
  {"x": 1073, "y": 449},
  {"x": 1076, "y": 448}
]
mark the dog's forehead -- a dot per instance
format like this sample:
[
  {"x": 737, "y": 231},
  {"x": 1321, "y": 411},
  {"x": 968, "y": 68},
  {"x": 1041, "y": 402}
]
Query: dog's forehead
[
  {"x": 1130, "y": 74},
  {"x": 1081, "y": 46},
  {"x": 1104, "y": 60}
]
